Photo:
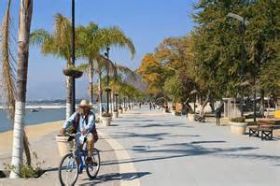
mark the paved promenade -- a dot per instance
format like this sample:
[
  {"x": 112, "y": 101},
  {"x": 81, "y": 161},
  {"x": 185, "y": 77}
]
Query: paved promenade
[
  {"x": 155, "y": 148},
  {"x": 168, "y": 150}
]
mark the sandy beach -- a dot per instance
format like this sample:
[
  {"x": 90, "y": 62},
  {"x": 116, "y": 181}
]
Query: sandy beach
[
  {"x": 34, "y": 132},
  {"x": 42, "y": 141}
]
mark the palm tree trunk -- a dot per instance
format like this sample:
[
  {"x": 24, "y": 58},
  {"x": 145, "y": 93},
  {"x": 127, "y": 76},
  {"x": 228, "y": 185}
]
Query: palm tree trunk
[
  {"x": 100, "y": 93},
  {"x": 69, "y": 93},
  {"x": 26, "y": 149},
  {"x": 69, "y": 96},
  {"x": 69, "y": 84},
  {"x": 25, "y": 17},
  {"x": 90, "y": 76},
  {"x": 111, "y": 101}
]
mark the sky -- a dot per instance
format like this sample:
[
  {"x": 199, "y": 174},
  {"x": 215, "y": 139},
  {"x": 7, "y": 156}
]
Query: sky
[{"x": 146, "y": 22}]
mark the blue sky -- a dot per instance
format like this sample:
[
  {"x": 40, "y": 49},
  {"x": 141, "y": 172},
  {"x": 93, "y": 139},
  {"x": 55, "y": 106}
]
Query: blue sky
[{"x": 146, "y": 22}]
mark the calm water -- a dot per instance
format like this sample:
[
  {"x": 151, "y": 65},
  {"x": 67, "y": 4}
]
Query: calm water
[{"x": 44, "y": 115}]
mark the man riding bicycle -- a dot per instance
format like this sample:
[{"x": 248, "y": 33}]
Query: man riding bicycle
[{"x": 82, "y": 122}]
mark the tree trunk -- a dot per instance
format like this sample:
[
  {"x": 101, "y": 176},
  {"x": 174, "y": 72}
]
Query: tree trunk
[
  {"x": 212, "y": 104},
  {"x": 90, "y": 76},
  {"x": 262, "y": 105},
  {"x": 100, "y": 94},
  {"x": 205, "y": 103},
  {"x": 69, "y": 85},
  {"x": 25, "y": 17},
  {"x": 26, "y": 149},
  {"x": 113, "y": 102}
]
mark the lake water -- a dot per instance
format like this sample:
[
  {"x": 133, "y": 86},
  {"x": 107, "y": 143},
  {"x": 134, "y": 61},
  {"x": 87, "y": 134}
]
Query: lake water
[{"x": 44, "y": 115}]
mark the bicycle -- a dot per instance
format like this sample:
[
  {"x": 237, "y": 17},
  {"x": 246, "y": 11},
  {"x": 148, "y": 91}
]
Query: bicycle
[{"x": 74, "y": 163}]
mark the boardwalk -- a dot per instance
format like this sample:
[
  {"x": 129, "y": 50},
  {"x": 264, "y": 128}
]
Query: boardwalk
[
  {"x": 169, "y": 150},
  {"x": 154, "y": 148}
]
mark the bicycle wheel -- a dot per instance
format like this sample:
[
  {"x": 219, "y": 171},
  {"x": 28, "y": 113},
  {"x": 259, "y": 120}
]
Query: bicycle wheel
[
  {"x": 92, "y": 170},
  {"x": 68, "y": 170}
]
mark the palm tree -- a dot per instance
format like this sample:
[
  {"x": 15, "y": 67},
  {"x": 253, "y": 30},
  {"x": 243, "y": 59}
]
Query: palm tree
[
  {"x": 91, "y": 41},
  {"x": 8, "y": 89},
  {"x": 58, "y": 43},
  {"x": 25, "y": 17}
]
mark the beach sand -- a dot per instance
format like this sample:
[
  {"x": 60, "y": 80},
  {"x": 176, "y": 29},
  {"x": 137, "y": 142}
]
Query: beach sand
[
  {"x": 33, "y": 132},
  {"x": 42, "y": 141}
]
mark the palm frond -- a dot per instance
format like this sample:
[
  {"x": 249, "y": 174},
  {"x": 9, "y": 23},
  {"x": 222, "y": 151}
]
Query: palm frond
[
  {"x": 39, "y": 36},
  {"x": 114, "y": 36},
  {"x": 7, "y": 67}
]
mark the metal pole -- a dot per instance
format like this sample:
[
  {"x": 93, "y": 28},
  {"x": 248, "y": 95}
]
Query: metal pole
[
  {"x": 107, "y": 91},
  {"x": 117, "y": 107},
  {"x": 242, "y": 29},
  {"x": 255, "y": 101},
  {"x": 73, "y": 57}
]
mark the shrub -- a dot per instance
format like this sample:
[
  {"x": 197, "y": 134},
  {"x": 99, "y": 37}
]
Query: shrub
[
  {"x": 106, "y": 115},
  {"x": 177, "y": 113},
  {"x": 238, "y": 119},
  {"x": 28, "y": 171}
]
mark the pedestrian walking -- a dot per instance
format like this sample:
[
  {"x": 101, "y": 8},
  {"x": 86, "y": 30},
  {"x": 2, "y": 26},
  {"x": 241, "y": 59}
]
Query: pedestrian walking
[{"x": 218, "y": 114}]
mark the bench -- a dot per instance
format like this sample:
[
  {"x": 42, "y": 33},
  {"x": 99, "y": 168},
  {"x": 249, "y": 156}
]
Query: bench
[
  {"x": 263, "y": 129},
  {"x": 254, "y": 131},
  {"x": 266, "y": 133}
]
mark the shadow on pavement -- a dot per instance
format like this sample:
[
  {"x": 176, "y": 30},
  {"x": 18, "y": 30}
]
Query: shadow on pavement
[
  {"x": 178, "y": 151},
  {"x": 201, "y": 142},
  {"x": 153, "y": 136},
  {"x": 115, "y": 177}
]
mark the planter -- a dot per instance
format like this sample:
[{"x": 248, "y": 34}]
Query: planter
[
  {"x": 238, "y": 128},
  {"x": 191, "y": 117},
  {"x": 63, "y": 145},
  {"x": 73, "y": 73},
  {"x": 115, "y": 114},
  {"x": 106, "y": 121}
]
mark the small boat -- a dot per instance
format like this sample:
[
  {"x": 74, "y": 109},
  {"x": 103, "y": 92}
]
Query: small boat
[{"x": 34, "y": 110}]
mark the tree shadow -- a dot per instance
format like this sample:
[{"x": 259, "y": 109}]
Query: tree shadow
[
  {"x": 167, "y": 125},
  {"x": 115, "y": 177},
  {"x": 177, "y": 151},
  {"x": 252, "y": 156},
  {"x": 153, "y": 136},
  {"x": 203, "y": 142}
]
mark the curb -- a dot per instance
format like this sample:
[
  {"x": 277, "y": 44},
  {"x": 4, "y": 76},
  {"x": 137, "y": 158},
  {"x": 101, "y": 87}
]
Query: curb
[{"x": 126, "y": 167}]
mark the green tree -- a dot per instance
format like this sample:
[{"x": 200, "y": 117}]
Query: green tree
[
  {"x": 93, "y": 39},
  {"x": 18, "y": 102},
  {"x": 58, "y": 44}
]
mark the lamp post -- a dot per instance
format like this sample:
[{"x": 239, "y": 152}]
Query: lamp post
[
  {"x": 107, "y": 79},
  {"x": 73, "y": 58},
  {"x": 116, "y": 99},
  {"x": 255, "y": 97},
  {"x": 243, "y": 25}
]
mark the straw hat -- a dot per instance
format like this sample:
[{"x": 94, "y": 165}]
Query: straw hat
[{"x": 85, "y": 103}]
